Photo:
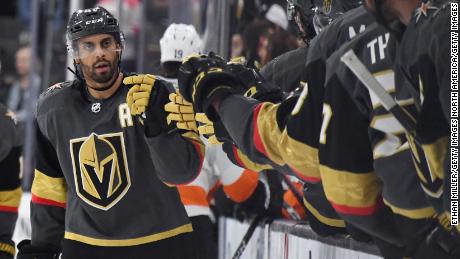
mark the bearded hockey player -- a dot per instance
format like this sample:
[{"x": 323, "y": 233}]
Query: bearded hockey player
[
  {"x": 422, "y": 68},
  {"x": 10, "y": 185},
  {"x": 103, "y": 178}
]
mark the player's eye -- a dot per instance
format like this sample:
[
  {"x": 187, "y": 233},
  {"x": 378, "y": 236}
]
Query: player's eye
[
  {"x": 86, "y": 46},
  {"x": 107, "y": 43}
]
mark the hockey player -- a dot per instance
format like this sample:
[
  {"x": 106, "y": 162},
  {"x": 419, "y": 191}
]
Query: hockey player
[
  {"x": 292, "y": 143},
  {"x": 234, "y": 103},
  {"x": 423, "y": 31},
  {"x": 286, "y": 70},
  {"x": 10, "y": 185},
  {"x": 103, "y": 178},
  {"x": 383, "y": 169}
]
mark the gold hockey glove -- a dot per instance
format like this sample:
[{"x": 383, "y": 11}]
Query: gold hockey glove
[
  {"x": 139, "y": 94},
  {"x": 206, "y": 128},
  {"x": 180, "y": 112},
  {"x": 147, "y": 96}
]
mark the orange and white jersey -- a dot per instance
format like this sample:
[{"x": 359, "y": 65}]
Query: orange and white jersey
[{"x": 238, "y": 183}]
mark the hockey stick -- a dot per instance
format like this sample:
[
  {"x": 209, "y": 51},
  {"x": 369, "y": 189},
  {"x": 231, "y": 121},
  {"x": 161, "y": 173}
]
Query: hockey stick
[
  {"x": 244, "y": 242},
  {"x": 362, "y": 73}
]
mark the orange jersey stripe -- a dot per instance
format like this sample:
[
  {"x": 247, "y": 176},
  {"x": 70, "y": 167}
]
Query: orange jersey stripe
[
  {"x": 244, "y": 187},
  {"x": 193, "y": 195}
]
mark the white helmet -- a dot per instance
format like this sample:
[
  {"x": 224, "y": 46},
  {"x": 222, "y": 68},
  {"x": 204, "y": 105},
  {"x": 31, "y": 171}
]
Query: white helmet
[{"x": 178, "y": 42}]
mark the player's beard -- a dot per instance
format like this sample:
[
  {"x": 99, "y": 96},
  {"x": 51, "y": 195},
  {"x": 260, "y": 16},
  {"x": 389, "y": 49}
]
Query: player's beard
[
  {"x": 103, "y": 77},
  {"x": 106, "y": 78}
]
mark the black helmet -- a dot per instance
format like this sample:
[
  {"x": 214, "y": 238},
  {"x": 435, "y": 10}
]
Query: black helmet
[
  {"x": 92, "y": 21},
  {"x": 306, "y": 10},
  {"x": 328, "y": 10}
]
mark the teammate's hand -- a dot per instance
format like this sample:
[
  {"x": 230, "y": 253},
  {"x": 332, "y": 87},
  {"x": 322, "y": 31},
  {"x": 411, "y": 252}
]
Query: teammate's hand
[
  {"x": 147, "y": 96},
  {"x": 254, "y": 84},
  {"x": 206, "y": 128},
  {"x": 28, "y": 251},
  {"x": 204, "y": 78},
  {"x": 180, "y": 112}
]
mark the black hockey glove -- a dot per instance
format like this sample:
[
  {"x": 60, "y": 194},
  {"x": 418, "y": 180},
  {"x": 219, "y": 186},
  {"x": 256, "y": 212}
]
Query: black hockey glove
[
  {"x": 448, "y": 240},
  {"x": 255, "y": 85},
  {"x": 205, "y": 78},
  {"x": 147, "y": 97},
  {"x": 28, "y": 251}
]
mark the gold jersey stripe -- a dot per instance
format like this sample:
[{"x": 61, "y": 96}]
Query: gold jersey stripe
[
  {"x": 248, "y": 163},
  {"x": 419, "y": 213},
  {"x": 351, "y": 189},
  {"x": 50, "y": 188},
  {"x": 129, "y": 242},
  {"x": 283, "y": 149},
  {"x": 436, "y": 154},
  {"x": 193, "y": 136},
  {"x": 11, "y": 198},
  {"x": 323, "y": 219}
]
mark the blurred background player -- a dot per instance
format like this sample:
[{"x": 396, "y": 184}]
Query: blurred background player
[
  {"x": 10, "y": 185},
  {"x": 178, "y": 42}
]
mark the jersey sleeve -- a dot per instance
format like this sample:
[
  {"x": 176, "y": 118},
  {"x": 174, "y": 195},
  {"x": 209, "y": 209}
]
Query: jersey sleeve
[
  {"x": 49, "y": 194},
  {"x": 178, "y": 158},
  {"x": 286, "y": 70},
  {"x": 10, "y": 185},
  {"x": 259, "y": 131},
  {"x": 278, "y": 135},
  {"x": 178, "y": 154},
  {"x": 10, "y": 197},
  {"x": 436, "y": 146},
  {"x": 346, "y": 166},
  {"x": 238, "y": 158},
  {"x": 9, "y": 132}
]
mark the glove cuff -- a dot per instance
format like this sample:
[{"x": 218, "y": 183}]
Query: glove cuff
[{"x": 29, "y": 251}]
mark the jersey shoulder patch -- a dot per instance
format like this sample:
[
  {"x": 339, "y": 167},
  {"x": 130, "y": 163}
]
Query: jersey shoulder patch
[{"x": 53, "y": 96}]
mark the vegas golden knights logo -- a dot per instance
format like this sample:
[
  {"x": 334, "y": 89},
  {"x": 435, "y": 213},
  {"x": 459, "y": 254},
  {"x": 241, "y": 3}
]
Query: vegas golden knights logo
[{"x": 100, "y": 169}]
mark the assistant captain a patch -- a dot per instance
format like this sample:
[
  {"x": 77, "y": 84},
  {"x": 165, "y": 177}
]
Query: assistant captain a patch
[{"x": 100, "y": 169}]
